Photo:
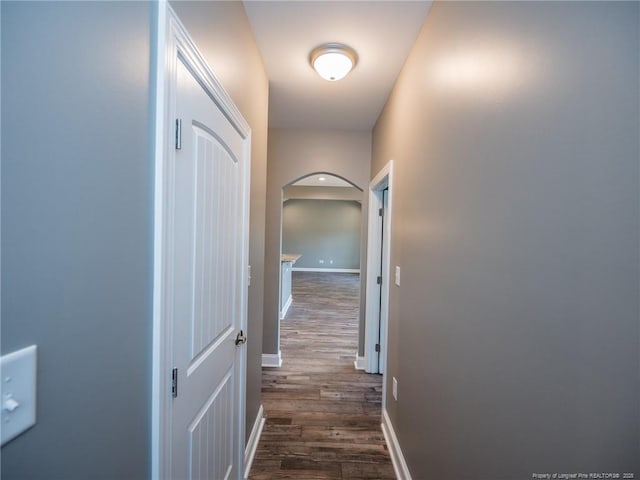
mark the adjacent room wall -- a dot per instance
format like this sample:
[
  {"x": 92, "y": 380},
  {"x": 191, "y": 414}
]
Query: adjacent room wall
[
  {"x": 293, "y": 154},
  {"x": 77, "y": 190},
  {"x": 222, "y": 33},
  {"x": 514, "y": 128},
  {"x": 322, "y": 193},
  {"x": 322, "y": 230}
]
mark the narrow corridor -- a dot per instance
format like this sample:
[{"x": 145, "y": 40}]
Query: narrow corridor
[{"x": 322, "y": 415}]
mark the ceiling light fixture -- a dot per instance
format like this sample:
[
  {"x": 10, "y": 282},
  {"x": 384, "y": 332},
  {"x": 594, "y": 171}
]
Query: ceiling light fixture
[{"x": 333, "y": 61}]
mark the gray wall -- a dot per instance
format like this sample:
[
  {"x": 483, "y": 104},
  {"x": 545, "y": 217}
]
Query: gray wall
[
  {"x": 222, "y": 33},
  {"x": 77, "y": 221},
  {"x": 327, "y": 230},
  {"x": 76, "y": 233},
  {"x": 514, "y": 334},
  {"x": 293, "y": 154}
]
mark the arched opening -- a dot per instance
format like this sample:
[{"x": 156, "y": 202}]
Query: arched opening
[
  {"x": 321, "y": 222},
  {"x": 322, "y": 240}
]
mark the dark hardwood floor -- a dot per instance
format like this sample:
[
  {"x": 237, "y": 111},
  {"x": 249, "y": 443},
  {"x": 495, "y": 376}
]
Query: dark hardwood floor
[{"x": 322, "y": 415}]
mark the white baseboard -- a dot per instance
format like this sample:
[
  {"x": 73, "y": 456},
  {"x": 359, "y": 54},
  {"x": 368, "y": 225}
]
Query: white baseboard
[
  {"x": 399, "y": 463},
  {"x": 252, "y": 444},
  {"x": 285, "y": 309},
  {"x": 330, "y": 270},
  {"x": 359, "y": 362},
  {"x": 272, "y": 359}
]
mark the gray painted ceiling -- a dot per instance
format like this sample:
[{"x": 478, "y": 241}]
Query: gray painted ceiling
[{"x": 382, "y": 33}]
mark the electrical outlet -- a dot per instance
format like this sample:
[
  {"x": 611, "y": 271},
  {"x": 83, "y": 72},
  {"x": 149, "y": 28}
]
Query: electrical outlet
[{"x": 394, "y": 388}]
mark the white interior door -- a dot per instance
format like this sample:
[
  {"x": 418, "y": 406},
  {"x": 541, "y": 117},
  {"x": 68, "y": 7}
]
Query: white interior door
[
  {"x": 206, "y": 288},
  {"x": 201, "y": 244}
]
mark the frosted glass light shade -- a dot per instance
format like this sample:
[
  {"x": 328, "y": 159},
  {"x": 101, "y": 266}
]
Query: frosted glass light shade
[{"x": 333, "y": 61}]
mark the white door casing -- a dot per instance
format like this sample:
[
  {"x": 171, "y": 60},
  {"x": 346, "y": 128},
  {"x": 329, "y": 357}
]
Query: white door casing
[
  {"x": 378, "y": 263},
  {"x": 200, "y": 265}
]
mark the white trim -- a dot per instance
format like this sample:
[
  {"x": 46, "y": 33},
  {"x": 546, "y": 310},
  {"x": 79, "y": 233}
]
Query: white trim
[
  {"x": 397, "y": 458},
  {"x": 377, "y": 307},
  {"x": 172, "y": 41},
  {"x": 285, "y": 309},
  {"x": 272, "y": 360},
  {"x": 160, "y": 425},
  {"x": 359, "y": 362},
  {"x": 252, "y": 444},
  {"x": 331, "y": 270}
]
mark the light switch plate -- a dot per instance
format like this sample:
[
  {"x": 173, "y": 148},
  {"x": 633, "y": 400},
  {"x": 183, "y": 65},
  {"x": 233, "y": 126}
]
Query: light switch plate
[
  {"x": 18, "y": 392},
  {"x": 397, "y": 276}
]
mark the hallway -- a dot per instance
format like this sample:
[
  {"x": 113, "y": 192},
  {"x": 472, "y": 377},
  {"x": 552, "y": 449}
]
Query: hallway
[{"x": 322, "y": 415}]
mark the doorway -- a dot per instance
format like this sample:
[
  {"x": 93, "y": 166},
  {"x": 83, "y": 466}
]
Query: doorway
[
  {"x": 274, "y": 290},
  {"x": 379, "y": 276},
  {"x": 321, "y": 230}
]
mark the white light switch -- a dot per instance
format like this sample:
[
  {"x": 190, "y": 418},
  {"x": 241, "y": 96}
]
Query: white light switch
[
  {"x": 394, "y": 389},
  {"x": 397, "y": 275},
  {"x": 18, "y": 395}
]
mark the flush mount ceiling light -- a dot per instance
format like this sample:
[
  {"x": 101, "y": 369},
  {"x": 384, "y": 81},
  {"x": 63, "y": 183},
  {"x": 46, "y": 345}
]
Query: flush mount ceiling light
[{"x": 333, "y": 61}]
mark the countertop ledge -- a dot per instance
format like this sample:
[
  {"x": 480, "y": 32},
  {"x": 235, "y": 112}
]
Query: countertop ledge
[{"x": 290, "y": 257}]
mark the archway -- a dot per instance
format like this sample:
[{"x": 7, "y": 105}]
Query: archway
[{"x": 307, "y": 203}]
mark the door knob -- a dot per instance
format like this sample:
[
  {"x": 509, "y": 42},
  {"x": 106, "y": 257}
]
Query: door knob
[{"x": 240, "y": 338}]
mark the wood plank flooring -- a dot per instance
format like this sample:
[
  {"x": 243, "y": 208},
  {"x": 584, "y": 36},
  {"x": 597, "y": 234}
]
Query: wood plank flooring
[{"x": 322, "y": 415}]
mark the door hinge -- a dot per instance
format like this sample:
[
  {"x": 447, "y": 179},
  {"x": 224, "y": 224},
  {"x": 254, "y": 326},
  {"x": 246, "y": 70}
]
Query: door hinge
[
  {"x": 178, "y": 134},
  {"x": 378, "y": 347},
  {"x": 381, "y": 212},
  {"x": 174, "y": 382},
  {"x": 379, "y": 280}
]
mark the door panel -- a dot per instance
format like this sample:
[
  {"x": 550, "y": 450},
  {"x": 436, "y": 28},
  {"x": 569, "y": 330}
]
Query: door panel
[
  {"x": 211, "y": 427},
  {"x": 216, "y": 211}
]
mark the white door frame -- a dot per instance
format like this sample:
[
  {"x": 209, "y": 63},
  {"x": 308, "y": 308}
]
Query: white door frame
[
  {"x": 171, "y": 41},
  {"x": 377, "y": 308}
]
